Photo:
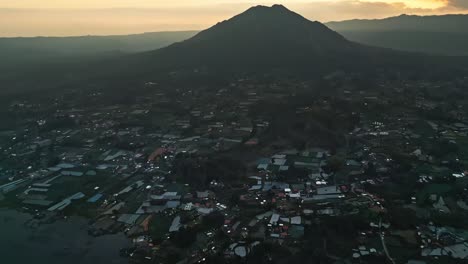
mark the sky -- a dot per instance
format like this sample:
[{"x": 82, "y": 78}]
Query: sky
[{"x": 115, "y": 17}]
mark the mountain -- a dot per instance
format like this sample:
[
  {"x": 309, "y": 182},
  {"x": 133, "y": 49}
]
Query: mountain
[
  {"x": 260, "y": 38},
  {"x": 445, "y": 34},
  {"x": 261, "y": 32},
  {"x": 272, "y": 38}
]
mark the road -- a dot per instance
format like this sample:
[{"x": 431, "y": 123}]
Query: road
[{"x": 382, "y": 238}]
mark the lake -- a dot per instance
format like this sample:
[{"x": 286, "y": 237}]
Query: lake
[{"x": 61, "y": 242}]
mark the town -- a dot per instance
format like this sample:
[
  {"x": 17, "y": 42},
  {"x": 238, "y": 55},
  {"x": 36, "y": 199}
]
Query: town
[{"x": 250, "y": 171}]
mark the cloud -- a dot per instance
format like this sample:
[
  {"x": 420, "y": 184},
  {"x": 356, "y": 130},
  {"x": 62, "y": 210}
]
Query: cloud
[
  {"x": 352, "y": 9},
  {"x": 105, "y": 21},
  {"x": 461, "y": 4}
]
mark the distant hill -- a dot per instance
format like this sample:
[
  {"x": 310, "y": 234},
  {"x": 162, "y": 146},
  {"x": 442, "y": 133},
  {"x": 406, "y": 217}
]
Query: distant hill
[
  {"x": 39, "y": 62},
  {"x": 446, "y": 34},
  {"x": 19, "y": 52}
]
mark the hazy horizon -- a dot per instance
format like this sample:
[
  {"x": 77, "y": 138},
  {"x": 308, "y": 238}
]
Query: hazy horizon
[{"x": 29, "y": 18}]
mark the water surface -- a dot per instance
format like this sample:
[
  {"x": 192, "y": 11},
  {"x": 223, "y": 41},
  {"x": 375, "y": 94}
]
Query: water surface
[{"x": 57, "y": 243}]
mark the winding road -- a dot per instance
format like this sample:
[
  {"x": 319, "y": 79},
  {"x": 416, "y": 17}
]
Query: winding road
[{"x": 382, "y": 238}]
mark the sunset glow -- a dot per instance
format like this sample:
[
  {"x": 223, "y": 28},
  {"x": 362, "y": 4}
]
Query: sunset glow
[{"x": 84, "y": 17}]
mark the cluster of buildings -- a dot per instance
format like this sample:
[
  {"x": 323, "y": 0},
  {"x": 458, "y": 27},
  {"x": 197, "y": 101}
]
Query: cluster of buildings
[{"x": 393, "y": 189}]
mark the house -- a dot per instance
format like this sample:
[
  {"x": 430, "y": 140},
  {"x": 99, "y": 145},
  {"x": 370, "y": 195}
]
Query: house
[
  {"x": 353, "y": 163},
  {"x": 147, "y": 208},
  {"x": 203, "y": 195},
  {"x": 274, "y": 219},
  {"x": 175, "y": 226},
  {"x": 329, "y": 190},
  {"x": 415, "y": 262},
  {"x": 324, "y": 193},
  {"x": 262, "y": 164},
  {"x": 72, "y": 173},
  {"x": 294, "y": 195},
  {"x": 441, "y": 206},
  {"x": 458, "y": 251},
  {"x": 95, "y": 198},
  {"x": 167, "y": 196},
  {"x": 66, "y": 202},
  {"x": 297, "y": 231},
  {"x": 172, "y": 204},
  {"x": 128, "y": 219},
  {"x": 205, "y": 210},
  {"x": 279, "y": 162},
  {"x": 296, "y": 220}
]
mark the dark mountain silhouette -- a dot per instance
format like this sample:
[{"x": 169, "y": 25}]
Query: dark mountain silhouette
[
  {"x": 265, "y": 38},
  {"x": 260, "y": 40},
  {"x": 261, "y": 32},
  {"x": 260, "y": 37},
  {"x": 445, "y": 34}
]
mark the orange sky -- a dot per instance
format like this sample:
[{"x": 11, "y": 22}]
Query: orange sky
[{"x": 104, "y": 17}]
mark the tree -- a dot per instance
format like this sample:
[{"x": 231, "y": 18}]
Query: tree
[
  {"x": 185, "y": 237},
  {"x": 335, "y": 164},
  {"x": 213, "y": 220},
  {"x": 402, "y": 218},
  {"x": 371, "y": 170}
]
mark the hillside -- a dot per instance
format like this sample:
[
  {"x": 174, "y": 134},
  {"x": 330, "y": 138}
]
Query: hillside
[
  {"x": 19, "y": 52},
  {"x": 446, "y": 34}
]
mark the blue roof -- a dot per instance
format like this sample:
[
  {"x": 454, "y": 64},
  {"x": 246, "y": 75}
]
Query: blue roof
[
  {"x": 263, "y": 161},
  {"x": 95, "y": 198}
]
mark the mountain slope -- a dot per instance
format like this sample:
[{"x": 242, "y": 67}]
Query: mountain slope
[
  {"x": 19, "y": 52},
  {"x": 36, "y": 63},
  {"x": 446, "y": 34}
]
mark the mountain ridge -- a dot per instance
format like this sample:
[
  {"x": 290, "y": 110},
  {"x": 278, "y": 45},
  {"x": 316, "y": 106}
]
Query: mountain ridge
[
  {"x": 442, "y": 34},
  {"x": 432, "y": 23}
]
